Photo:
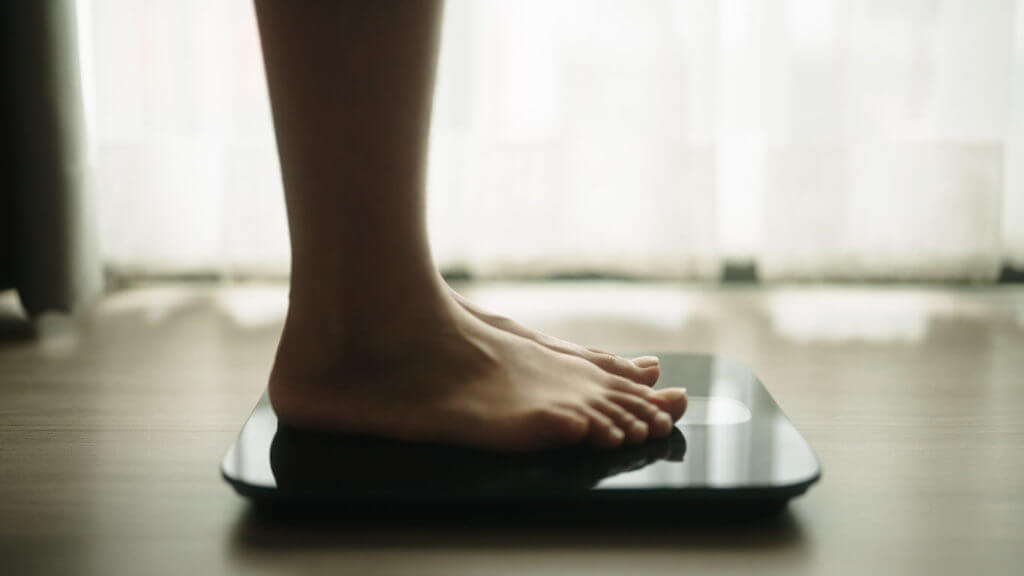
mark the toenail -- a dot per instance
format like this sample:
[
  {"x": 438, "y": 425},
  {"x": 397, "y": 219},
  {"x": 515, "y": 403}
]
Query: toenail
[
  {"x": 646, "y": 361},
  {"x": 674, "y": 393}
]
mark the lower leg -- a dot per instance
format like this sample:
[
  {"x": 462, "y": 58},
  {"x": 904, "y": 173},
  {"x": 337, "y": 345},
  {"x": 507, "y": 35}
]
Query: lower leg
[
  {"x": 351, "y": 84},
  {"x": 374, "y": 342}
]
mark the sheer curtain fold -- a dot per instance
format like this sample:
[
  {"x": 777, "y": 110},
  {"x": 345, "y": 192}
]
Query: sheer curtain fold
[
  {"x": 48, "y": 246},
  {"x": 819, "y": 138}
]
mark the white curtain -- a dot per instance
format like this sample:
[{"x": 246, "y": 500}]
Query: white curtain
[{"x": 817, "y": 138}]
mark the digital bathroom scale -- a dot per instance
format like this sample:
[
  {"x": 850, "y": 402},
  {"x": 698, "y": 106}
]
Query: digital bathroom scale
[{"x": 733, "y": 452}]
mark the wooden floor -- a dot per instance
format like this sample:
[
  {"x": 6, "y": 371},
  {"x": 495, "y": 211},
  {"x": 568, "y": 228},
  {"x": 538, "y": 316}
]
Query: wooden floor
[{"x": 111, "y": 432}]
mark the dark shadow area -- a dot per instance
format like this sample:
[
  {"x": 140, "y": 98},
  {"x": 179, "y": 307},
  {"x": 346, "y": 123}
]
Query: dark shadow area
[
  {"x": 1011, "y": 275},
  {"x": 15, "y": 325},
  {"x": 591, "y": 526},
  {"x": 16, "y": 329},
  {"x": 326, "y": 467},
  {"x": 739, "y": 273},
  {"x": 337, "y": 491},
  {"x": 372, "y": 493}
]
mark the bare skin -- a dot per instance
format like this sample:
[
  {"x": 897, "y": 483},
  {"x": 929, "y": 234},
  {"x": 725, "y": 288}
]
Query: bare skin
[
  {"x": 375, "y": 342},
  {"x": 643, "y": 369}
]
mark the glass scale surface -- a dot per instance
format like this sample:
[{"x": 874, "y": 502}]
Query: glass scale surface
[{"x": 734, "y": 450}]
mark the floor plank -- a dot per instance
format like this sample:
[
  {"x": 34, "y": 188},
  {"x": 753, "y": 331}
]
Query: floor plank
[{"x": 113, "y": 426}]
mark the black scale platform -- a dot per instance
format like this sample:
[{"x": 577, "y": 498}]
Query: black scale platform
[{"x": 734, "y": 452}]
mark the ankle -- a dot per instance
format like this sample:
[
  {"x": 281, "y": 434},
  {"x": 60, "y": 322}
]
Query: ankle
[
  {"x": 337, "y": 339},
  {"x": 368, "y": 307},
  {"x": 356, "y": 362}
]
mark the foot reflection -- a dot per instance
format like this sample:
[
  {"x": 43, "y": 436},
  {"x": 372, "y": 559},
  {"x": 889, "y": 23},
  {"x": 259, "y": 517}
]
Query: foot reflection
[{"x": 339, "y": 466}]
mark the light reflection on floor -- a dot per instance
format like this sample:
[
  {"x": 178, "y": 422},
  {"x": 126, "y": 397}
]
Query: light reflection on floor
[{"x": 850, "y": 315}]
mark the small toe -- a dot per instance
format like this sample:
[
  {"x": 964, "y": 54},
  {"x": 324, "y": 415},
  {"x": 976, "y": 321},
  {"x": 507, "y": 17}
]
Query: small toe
[
  {"x": 640, "y": 408},
  {"x": 662, "y": 425},
  {"x": 638, "y": 432},
  {"x": 609, "y": 437},
  {"x": 603, "y": 431},
  {"x": 560, "y": 426},
  {"x": 623, "y": 419}
]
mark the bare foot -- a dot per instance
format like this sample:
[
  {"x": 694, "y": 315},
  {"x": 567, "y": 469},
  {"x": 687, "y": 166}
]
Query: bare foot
[
  {"x": 644, "y": 369},
  {"x": 451, "y": 377}
]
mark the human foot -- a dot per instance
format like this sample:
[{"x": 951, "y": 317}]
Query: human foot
[
  {"x": 450, "y": 377},
  {"x": 643, "y": 369}
]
